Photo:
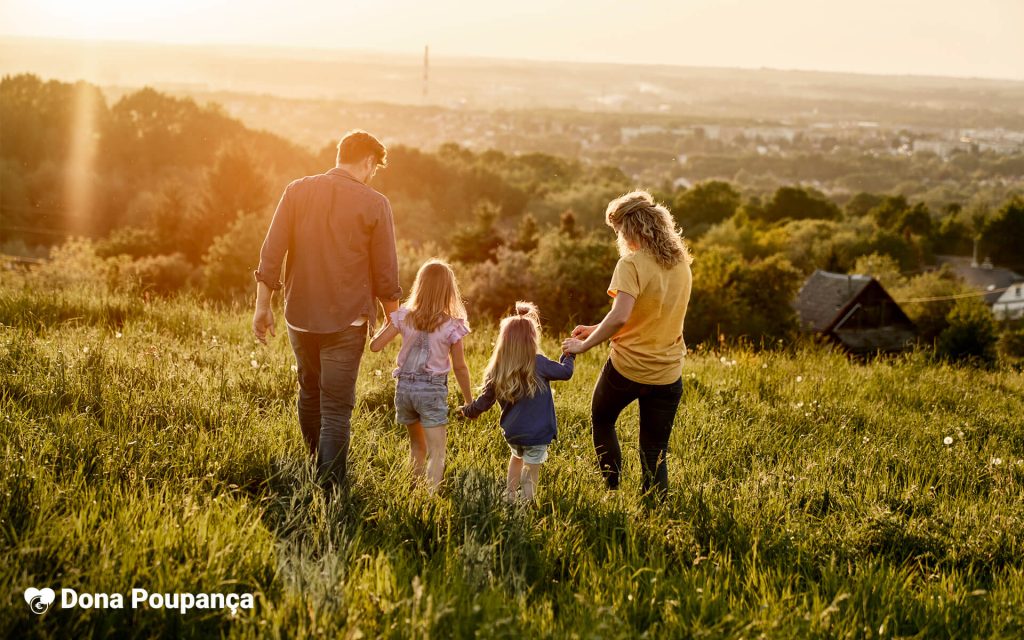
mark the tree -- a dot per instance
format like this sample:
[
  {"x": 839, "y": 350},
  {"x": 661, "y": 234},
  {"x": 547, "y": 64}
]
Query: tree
[
  {"x": 527, "y": 234},
  {"x": 480, "y": 241},
  {"x": 1002, "y": 239},
  {"x": 797, "y": 203},
  {"x": 971, "y": 333},
  {"x": 705, "y": 204},
  {"x": 567, "y": 224},
  {"x": 234, "y": 187}
]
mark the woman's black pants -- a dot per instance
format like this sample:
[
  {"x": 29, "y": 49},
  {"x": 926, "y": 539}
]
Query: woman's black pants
[{"x": 658, "y": 405}]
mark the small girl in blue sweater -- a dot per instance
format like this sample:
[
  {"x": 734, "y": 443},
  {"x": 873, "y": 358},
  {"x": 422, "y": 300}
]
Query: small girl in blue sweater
[{"x": 518, "y": 379}]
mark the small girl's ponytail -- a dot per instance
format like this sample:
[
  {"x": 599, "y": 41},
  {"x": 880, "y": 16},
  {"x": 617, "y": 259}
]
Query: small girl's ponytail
[{"x": 528, "y": 310}]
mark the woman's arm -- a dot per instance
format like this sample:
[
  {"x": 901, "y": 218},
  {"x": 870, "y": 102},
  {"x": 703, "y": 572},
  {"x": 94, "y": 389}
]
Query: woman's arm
[
  {"x": 461, "y": 371},
  {"x": 622, "y": 308},
  {"x": 386, "y": 334}
]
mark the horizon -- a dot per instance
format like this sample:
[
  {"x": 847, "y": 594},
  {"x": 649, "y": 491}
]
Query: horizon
[
  {"x": 869, "y": 38},
  {"x": 435, "y": 57}
]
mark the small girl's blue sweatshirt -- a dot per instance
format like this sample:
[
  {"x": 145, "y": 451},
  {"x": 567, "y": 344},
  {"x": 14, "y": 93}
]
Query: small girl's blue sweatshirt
[{"x": 528, "y": 421}]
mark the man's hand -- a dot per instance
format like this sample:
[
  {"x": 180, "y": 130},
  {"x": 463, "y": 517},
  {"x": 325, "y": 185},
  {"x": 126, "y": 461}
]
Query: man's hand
[
  {"x": 262, "y": 322},
  {"x": 573, "y": 345},
  {"x": 582, "y": 331}
]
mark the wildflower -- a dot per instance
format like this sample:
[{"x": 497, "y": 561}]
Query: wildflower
[
  {"x": 85, "y": 349},
  {"x": 799, "y": 378},
  {"x": 764, "y": 366},
  {"x": 213, "y": 340},
  {"x": 800, "y": 405},
  {"x": 997, "y": 461},
  {"x": 722, "y": 360},
  {"x": 866, "y": 439},
  {"x": 295, "y": 368},
  {"x": 378, "y": 372},
  {"x": 252, "y": 354},
  {"x": 732, "y": 363},
  {"x": 948, "y": 440},
  {"x": 255, "y": 365},
  {"x": 118, "y": 335}
]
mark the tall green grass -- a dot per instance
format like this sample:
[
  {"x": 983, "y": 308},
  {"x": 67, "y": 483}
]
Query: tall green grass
[{"x": 155, "y": 445}]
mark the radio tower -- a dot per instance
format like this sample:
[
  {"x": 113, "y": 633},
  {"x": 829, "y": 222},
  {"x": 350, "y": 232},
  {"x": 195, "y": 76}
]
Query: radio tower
[{"x": 426, "y": 68}]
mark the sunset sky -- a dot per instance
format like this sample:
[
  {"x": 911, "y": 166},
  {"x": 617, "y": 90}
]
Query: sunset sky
[{"x": 935, "y": 37}]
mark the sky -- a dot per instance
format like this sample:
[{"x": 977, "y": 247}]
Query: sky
[{"x": 975, "y": 38}]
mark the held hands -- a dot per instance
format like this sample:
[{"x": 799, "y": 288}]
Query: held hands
[
  {"x": 262, "y": 323},
  {"x": 574, "y": 344},
  {"x": 583, "y": 331}
]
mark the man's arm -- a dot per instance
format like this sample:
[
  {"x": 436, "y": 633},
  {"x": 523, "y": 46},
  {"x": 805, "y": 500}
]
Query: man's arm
[
  {"x": 384, "y": 262},
  {"x": 268, "y": 275}
]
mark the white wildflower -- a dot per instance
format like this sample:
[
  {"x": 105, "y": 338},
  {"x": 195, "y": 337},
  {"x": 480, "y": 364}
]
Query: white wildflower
[
  {"x": 799, "y": 378},
  {"x": 118, "y": 335},
  {"x": 255, "y": 365},
  {"x": 997, "y": 461},
  {"x": 948, "y": 440},
  {"x": 295, "y": 368}
]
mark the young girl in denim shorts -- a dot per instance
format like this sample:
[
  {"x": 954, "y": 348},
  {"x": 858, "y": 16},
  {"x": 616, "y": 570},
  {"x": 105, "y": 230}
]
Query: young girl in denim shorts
[
  {"x": 432, "y": 323},
  {"x": 518, "y": 379}
]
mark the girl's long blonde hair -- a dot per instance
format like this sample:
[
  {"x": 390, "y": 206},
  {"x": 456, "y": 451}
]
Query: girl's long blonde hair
[
  {"x": 435, "y": 297},
  {"x": 512, "y": 370},
  {"x": 641, "y": 223}
]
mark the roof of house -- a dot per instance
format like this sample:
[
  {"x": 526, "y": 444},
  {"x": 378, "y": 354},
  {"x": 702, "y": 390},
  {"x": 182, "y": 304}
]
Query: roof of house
[
  {"x": 825, "y": 294},
  {"x": 985, "y": 277}
]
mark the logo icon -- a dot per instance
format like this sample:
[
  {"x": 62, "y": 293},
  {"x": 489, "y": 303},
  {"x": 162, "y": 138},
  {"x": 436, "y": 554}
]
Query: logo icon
[{"x": 39, "y": 600}]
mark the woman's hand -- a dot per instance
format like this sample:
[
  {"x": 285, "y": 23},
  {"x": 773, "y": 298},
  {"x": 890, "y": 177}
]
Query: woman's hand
[
  {"x": 573, "y": 345},
  {"x": 583, "y": 331}
]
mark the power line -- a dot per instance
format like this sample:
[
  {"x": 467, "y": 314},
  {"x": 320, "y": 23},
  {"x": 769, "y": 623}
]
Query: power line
[{"x": 973, "y": 294}]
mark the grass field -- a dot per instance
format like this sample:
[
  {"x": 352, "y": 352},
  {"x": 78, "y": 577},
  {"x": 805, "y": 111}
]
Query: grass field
[{"x": 154, "y": 445}]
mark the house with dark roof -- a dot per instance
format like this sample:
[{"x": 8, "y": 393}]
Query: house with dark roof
[
  {"x": 982, "y": 276},
  {"x": 855, "y": 312}
]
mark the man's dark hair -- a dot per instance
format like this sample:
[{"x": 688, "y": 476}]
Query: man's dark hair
[{"x": 357, "y": 145}]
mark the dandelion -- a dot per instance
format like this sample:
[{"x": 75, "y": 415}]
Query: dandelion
[
  {"x": 255, "y": 365},
  {"x": 948, "y": 440},
  {"x": 732, "y": 363},
  {"x": 799, "y": 378},
  {"x": 764, "y": 366},
  {"x": 722, "y": 360},
  {"x": 997, "y": 461},
  {"x": 118, "y": 335}
]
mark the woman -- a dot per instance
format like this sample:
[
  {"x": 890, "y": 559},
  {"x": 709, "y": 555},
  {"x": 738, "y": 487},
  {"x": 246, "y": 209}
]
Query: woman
[{"x": 650, "y": 289}]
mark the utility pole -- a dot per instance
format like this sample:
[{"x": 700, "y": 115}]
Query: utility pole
[{"x": 426, "y": 69}]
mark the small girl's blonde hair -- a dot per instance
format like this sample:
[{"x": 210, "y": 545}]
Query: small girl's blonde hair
[
  {"x": 435, "y": 297},
  {"x": 512, "y": 369},
  {"x": 641, "y": 222}
]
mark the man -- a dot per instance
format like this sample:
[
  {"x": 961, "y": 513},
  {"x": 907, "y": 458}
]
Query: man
[{"x": 340, "y": 240}]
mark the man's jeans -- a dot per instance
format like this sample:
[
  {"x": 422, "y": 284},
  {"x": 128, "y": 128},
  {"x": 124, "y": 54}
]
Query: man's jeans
[{"x": 328, "y": 366}]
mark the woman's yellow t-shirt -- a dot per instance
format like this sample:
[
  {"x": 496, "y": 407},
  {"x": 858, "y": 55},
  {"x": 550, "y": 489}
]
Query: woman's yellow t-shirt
[{"x": 649, "y": 349}]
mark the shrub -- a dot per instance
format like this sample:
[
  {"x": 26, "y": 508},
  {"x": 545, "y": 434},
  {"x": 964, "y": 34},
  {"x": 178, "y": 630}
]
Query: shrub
[
  {"x": 970, "y": 334},
  {"x": 162, "y": 274},
  {"x": 230, "y": 260}
]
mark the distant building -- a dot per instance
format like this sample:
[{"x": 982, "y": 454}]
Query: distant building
[
  {"x": 855, "y": 312},
  {"x": 1010, "y": 304},
  {"x": 981, "y": 277}
]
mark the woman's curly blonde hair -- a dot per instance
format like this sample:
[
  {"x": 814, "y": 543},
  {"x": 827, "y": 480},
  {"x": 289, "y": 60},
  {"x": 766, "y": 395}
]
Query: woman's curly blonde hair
[{"x": 641, "y": 223}]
